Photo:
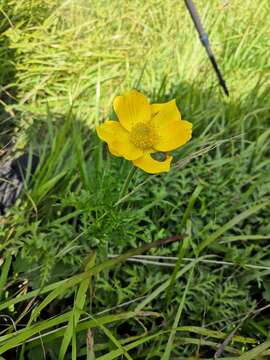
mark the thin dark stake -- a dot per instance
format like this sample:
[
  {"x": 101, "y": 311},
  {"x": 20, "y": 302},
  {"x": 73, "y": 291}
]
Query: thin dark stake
[{"x": 205, "y": 41}]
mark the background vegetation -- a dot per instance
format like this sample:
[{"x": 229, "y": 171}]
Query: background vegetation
[{"x": 62, "y": 63}]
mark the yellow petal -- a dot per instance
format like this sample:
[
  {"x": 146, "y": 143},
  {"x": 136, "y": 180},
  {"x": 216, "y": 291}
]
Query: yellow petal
[
  {"x": 156, "y": 108},
  {"x": 152, "y": 166},
  {"x": 118, "y": 140},
  {"x": 173, "y": 136},
  {"x": 113, "y": 151},
  {"x": 132, "y": 108},
  {"x": 171, "y": 131}
]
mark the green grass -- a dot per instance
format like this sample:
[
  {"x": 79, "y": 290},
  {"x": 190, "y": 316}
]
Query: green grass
[{"x": 63, "y": 293}]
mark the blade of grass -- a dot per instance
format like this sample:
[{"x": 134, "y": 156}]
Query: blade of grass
[
  {"x": 254, "y": 353},
  {"x": 191, "y": 203},
  {"x": 4, "y": 274},
  {"x": 169, "y": 346},
  {"x": 77, "y": 309},
  {"x": 10, "y": 302},
  {"x": 60, "y": 283},
  {"x": 245, "y": 214},
  {"x": 15, "y": 339},
  {"x": 115, "y": 341},
  {"x": 74, "y": 344},
  {"x": 182, "y": 340},
  {"x": 74, "y": 280},
  {"x": 183, "y": 247},
  {"x": 164, "y": 286},
  {"x": 197, "y": 330}
]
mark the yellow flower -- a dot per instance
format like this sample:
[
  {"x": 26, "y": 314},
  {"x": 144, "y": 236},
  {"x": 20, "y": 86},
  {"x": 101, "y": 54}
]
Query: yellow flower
[{"x": 144, "y": 129}]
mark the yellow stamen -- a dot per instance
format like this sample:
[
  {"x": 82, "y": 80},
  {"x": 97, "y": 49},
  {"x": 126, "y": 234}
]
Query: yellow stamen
[{"x": 142, "y": 135}]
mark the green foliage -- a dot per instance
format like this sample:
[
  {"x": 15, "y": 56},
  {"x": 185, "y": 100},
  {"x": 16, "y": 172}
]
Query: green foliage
[{"x": 62, "y": 63}]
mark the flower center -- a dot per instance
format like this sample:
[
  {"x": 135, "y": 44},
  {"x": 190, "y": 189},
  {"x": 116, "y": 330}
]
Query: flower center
[{"x": 142, "y": 136}]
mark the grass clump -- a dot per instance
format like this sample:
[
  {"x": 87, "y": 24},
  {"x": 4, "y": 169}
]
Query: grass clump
[{"x": 63, "y": 292}]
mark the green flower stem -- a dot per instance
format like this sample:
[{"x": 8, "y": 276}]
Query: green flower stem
[{"x": 127, "y": 182}]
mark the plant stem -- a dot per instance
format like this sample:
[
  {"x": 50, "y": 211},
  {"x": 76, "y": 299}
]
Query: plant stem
[{"x": 127, "y": 182}]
